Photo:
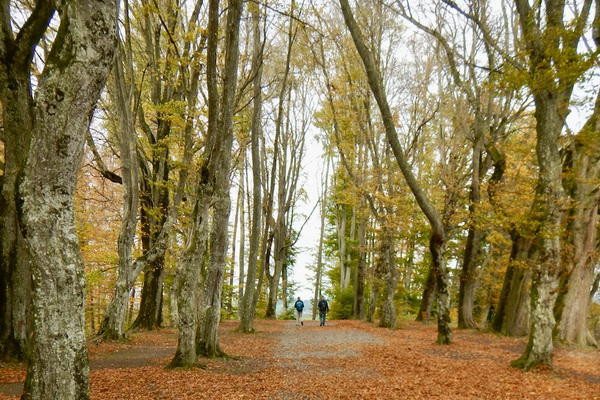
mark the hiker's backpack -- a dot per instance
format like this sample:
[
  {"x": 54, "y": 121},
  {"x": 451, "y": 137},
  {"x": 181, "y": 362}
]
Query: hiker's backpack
[
  {"x": 299, "y": 305},
  {"x": 322, "y": 305}
]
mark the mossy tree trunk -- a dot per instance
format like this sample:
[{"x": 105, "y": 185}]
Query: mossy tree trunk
[{"x": 74, "y": 74}]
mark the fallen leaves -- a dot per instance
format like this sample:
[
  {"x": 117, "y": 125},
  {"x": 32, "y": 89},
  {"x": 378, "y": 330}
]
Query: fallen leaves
[{"x": 344, "y": 360}]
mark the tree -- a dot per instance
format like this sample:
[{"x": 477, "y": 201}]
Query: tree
[
  {"x": 155, "y": 231},
  {"x": 554, "y": 66},
  {"x": 438, "y": 236},
  {"x": 247, "y": 306},
  {"x": 58, "y": 117},
  {"x": 200, "y": 312}
]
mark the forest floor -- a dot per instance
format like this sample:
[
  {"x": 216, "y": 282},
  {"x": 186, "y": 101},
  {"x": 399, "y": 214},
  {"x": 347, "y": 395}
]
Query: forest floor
[{"x": 343, "y": 360}]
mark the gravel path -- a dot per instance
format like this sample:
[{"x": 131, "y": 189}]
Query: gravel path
[
  {"x": 312, "y": 340},
  {"x": 311, "y": 351}
]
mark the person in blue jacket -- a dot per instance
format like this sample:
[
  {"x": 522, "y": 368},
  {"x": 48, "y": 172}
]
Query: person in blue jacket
[{"x": 299, "y": 306}]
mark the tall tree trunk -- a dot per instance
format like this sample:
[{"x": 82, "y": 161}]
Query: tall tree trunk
[
  {"x": 219, "y": 168},
  {"x": 280, "y": 228},
  {"x": 474, "y": 237},
  {"x": 551, "y": 50},
  {"x": 73, "y": 77},
  {"x": 582, "y": 174},
  {"x": 340, "y": 224},
  {"x": 242, "y": 256},
  {"x": 155, "y": 238},
  {"x": 438, "y": 234},
  {"x": 247, "y": 307},
  {"x": 319, "y": 269},
  {"x": 549, "y": 206},
  {"x": 188, "y": 281},
  {"x": 16, "y": 52},
  {"x": 113, "y": 326}
]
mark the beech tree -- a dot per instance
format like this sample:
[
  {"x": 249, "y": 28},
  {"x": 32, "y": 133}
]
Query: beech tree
[
  {"x": 247, "y": 302},
  {"x": 551, "y": 37},
  {"x": 145, "y": 178},
  {"x": 57, "y": 117},
  {"x": 438, "y": 236}
]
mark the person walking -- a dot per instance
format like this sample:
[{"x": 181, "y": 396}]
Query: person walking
[
  {"x": 299, "y": 306},
  {"x": 323, "y": 309}
]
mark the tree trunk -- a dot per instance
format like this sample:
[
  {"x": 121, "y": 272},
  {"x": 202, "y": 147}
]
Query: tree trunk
[
  {"x": 358, "y": 309},
  {"x": 551, "y": 49},
  {"x": 582, "y": 173},
  {"x": 428, "y": 296},
  {"x": 340, "y": 224},
  {"x": 219, "y": 168},
  {"x": 390, "y": 270},
  {"x": 16, "y": 52},
  {"x": 112, "y": 326},
  {"x": 512, "y": 312},
  {"x": 549, "y": 206},
  {"x": 67, "y": 91},
  {"x": 247, "y": 308},
  {"x": 370, "y": 317},
  {"x": 150, "y": 314},
  {"x": 188, "y": 281}
]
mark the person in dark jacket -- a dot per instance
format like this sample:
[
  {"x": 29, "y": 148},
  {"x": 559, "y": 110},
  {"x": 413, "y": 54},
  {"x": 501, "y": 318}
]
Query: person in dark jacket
[{"x": 323, "y": 309}]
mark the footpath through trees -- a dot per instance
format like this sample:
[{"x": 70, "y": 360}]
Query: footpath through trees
[{"x": 343, "y": 360}]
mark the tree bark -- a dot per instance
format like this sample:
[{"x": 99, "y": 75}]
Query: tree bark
[
  {"x": 582, "y": 171},
  {"x": 113, "y": 326},
  {"x": 16, "y": 52},
  {"x": 551, "y": 50},
  {"x": 73, "y": 77},
  {"x": 428, "y": 296},
  {"x": 219, "y": 167},
  {"x": 390, "y": 275},
  {"x": 358, "y": 309}
]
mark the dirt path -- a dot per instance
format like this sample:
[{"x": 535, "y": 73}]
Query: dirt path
[{"x": 343, "y": 360}]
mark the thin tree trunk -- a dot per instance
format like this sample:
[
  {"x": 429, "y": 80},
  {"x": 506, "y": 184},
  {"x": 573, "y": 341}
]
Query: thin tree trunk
[
  {"x": 319, "y": 270},
  {"x": 358, "y": 309},
  {"x": 247, "y": 308},
  {"x": 438, "y": 234},
  {"x": 242, "y": 256},
  {"x": 280, "y": 230}
]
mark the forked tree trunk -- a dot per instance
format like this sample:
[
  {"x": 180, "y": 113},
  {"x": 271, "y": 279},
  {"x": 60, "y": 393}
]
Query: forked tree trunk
[
  {"x": 551, "y": 44},
  {"x": 219, "y": 168},
  {"x": 73, "y": 77}
]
